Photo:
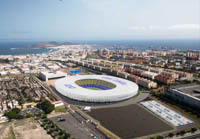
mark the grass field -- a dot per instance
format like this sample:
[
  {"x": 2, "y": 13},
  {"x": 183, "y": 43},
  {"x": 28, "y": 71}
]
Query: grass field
[
  {"x": 60, "y": 109},
  {"x": 92, "y": 88}
]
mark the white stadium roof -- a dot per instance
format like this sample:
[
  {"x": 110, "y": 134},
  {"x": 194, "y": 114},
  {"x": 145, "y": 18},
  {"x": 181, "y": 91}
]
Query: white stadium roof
[{"x": 123, "y": 89}]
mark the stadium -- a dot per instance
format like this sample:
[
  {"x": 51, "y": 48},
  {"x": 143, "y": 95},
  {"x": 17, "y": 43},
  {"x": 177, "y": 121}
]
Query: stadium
[{"x": 96, "y": 88}]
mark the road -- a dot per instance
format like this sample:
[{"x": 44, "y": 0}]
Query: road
[
  {"x": 88, "y": 124},
  {"x": 192, "y": 137}
]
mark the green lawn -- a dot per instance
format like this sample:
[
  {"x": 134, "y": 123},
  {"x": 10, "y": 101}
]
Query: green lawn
[
  {"x": 92, "y": 88},
  {"x": 60, "y": 109}
]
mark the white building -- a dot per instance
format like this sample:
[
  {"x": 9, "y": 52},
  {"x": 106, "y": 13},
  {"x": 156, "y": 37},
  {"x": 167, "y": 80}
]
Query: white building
[
  {"x": 150, "y": 75},
  {"x": 58, "y": 103},
  {"x": 52, "y": 75},
  {"x": 96, "y": 88}
]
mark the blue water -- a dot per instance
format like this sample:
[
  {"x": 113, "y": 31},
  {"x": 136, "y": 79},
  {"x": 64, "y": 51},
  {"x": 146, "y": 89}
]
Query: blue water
[
  {"x": 15, "y": 48},
  {"x": 12, "y": 47},
  {"x": 148, "y": 44},
  {"x": 74, "y": 71}
]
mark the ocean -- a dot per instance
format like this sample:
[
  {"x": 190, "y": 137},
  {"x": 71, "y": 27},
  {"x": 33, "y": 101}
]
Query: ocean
[
  {"x": 148, "y": 44},
  {"x": 14, "y": 47}
]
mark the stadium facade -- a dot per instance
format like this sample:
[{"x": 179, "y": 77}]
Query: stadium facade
[{"x": 96, "y": 88}]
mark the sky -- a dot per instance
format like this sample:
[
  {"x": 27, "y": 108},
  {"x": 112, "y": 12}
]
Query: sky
[{"x": 99, "y": 19}]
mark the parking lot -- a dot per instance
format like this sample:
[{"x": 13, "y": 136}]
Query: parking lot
[{"x": 77, "y": 126}]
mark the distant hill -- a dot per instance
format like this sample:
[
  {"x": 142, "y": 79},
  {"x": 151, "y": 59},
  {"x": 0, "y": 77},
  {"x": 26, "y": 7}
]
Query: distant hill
[
  {"x": 49, "y": 44},
  {"x": 68, "y": 43}
]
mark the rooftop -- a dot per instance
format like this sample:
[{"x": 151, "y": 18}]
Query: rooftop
[
  {"x": 190, "y": 89},
  {"x": 54, "y": 74}
]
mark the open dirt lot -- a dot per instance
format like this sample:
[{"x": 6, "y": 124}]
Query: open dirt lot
[
  {"x": 5, "y": 131},
  {"x": 29, "y": 129},
  {"x": 129, "y": 121},
  {"x": 23, "y": 129}
]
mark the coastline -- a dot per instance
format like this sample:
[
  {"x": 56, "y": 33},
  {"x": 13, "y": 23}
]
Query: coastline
[
  {"x": 30, "y": 51},
  {"x": 24, "y": 48}
]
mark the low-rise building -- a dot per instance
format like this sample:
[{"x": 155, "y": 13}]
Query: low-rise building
[
  {"x": 58, "y": 103},
  {"x": 52, "y": 75},
  {"x": 133, "y": 78},
  {"x": 189, "y": 94},
  {"x": 123, "y": 74},
  {"x": 29, "y": 105},
  {"x": 146, "y": 83},
  {"x": 149, "y": 75},
  {"x": 164, "y": 79}
]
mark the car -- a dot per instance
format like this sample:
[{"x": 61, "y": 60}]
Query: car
[
  {"x": 60, "y": 119},
  {"x": 95, "y": 137}
]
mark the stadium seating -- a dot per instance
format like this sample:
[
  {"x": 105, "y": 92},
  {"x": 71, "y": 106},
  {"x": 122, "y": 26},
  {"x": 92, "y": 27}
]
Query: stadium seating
[{"x": 96, "y": 84}]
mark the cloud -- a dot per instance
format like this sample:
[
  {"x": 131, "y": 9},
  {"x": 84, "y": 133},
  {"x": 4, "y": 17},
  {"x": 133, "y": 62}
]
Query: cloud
[
  {"x": 171, "y": 27},
  {"x": 154, "y": 27},
  {"x": 185, "y": 26},
  {"x": 137, "y": 28},
  {"x": 150, "y": 27}
]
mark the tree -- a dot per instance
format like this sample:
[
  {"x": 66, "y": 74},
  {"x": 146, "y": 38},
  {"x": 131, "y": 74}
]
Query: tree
[
  {"x": 21, "y": 101},
  {"x": 63, "y": 132},
  {"x": 14, "y": 114},
  {"x": 193, "y": 130},
  {"x": 159, "y": 137},
  {"x": 44, "y": 116},
  {"x": 171, "y": 135},
  {"x": 182, "y": 132},
  {"x": 46, "y": 106},
  {"x": 66, "y": 136}
]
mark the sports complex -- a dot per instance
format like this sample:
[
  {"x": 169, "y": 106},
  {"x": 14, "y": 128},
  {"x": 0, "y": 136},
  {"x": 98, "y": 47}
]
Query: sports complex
[
  {"x": 96, "y": 88},
  {"x": 133, "y": 114}
]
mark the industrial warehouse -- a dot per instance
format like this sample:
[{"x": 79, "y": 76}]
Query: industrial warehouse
[
  {"x": 189, "y": 94},
  {"x": 96, "y": 88}
]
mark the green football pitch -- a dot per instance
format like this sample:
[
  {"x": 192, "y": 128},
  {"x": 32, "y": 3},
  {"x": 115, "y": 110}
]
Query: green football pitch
[{"x": 92, "y": 88}]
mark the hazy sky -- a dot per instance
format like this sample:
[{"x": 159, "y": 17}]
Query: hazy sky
[{"x": 99, "y": 19}]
